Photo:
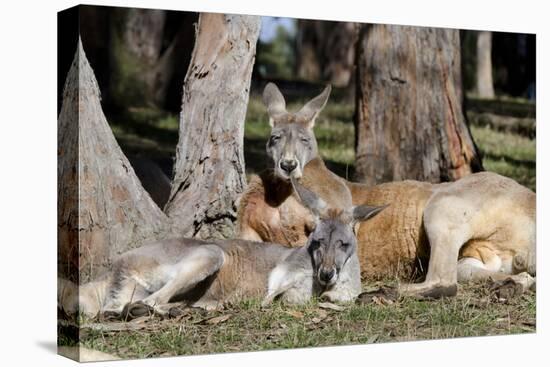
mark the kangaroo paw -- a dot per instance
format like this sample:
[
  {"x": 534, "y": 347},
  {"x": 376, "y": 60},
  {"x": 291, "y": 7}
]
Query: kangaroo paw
[
  {"x": 136, "y": 309},
  {"x": 513, "y": 286},
  {"x": 382, "y": 295}
]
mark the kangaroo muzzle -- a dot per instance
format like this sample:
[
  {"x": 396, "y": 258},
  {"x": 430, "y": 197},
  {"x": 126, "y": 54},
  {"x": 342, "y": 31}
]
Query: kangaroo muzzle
[
  {"x": 327, "y": 276},
  {"x": 290, "y": 167}
]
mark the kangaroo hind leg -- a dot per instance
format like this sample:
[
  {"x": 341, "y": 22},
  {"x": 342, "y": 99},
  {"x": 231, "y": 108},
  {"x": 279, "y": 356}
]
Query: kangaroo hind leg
[
  {"x": 201, "y": 262},
  {"x": 446, "y": 221}
]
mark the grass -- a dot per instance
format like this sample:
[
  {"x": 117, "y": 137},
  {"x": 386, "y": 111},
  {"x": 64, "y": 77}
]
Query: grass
[
  {"x": 507, "y": 154},
  {"x": 474, "y": 312}
]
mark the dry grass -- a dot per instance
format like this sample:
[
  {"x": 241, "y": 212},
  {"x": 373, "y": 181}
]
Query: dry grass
[{"x": 248, "y": 327}]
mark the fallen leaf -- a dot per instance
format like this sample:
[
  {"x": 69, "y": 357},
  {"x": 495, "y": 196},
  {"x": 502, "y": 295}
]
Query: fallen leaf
[
  {"x": 296, "y": 314},
  {"x": 331, "y": 306},
  {"x": 381, "y": 301},
  {"x": 381, "y": 296},
  {"x": 215, "y": 320},
  {"x": 322, "y": 314},
  {"x": 141, "y": 320}
]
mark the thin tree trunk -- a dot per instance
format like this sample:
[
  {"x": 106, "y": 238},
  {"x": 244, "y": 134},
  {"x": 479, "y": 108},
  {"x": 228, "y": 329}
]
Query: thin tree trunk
[
  {"x": 339, "y": 53},
  {"x": 209, "y": 168},
  {"x": 136, "y": 44},
  {"x": 309, "y": 36},
  {"x": 325, "y": 51},
  {"x": 167, "y": 77},
  {"x": 409, "y": 118},
  {"x": 484, "y": 71},
  {"x": 102, "y": 208}
]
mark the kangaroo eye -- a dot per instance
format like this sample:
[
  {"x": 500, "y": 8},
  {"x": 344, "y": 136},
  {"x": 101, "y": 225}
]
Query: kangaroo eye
[
  {"x": 273, "y": 139},
  {"x": 314, "y": 245},
  {"x": 304, "y": 140},
  {"x": 345, "y": 245}
]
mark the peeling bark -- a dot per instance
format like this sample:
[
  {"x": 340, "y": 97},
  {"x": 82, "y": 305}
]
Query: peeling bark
[
  {"x": 102, "y": 208},
  {"x": 209, "y": 169},
  {"x": 409, "y": 118}
]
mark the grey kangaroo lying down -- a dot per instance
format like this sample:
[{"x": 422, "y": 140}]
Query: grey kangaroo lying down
[{"x": 209, "y": 273}]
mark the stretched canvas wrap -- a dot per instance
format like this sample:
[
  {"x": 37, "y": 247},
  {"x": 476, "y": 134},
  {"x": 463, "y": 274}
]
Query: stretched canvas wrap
[{"x": 233, "y": 183}]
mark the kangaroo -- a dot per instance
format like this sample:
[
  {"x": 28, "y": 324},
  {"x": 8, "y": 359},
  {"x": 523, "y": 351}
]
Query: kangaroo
[
  {"x": 479, "y": 227},
  {"x": 209, "y": 273}
]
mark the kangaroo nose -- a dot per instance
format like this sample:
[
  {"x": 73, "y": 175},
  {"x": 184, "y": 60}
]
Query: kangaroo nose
[
  {"x": 288, "y": 165},
  {"x": 327, "y": 275}
]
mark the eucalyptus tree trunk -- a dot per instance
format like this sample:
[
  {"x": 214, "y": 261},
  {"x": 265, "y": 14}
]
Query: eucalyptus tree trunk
[
  {"x": 209, "y": 173},
  {"x": 135, "y": 48},
  {"x": 102, "y": 208},
  {"x": 339, "y": 53},
  {"x": 409, "y": 118},
  {"x": 484, "y": 70},
  {"x": 309, "y": 36},
  {"x": 325, "y": 51}
]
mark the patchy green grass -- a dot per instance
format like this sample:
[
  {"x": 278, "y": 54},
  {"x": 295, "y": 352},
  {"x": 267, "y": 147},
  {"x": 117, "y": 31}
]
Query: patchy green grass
[
  {"x": 248, "y": 327},
  {"x": 507, "y": 154}
]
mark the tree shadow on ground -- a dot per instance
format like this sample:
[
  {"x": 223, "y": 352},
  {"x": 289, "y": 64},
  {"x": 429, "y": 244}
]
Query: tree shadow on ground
[{"x": 530, "y": 164}]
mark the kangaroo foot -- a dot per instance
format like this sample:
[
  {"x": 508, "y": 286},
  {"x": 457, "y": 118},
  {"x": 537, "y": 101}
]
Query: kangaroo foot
[
  {"x": 136, "y": 309},
  {"x": 513, "y": 286},
  {"x": 428, "y": 290}
]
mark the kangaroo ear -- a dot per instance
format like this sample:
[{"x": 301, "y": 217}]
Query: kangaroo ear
[
  {"x": 312, "y": 109},
  {"x": 314, "y": 203},
  {"x": 361, "y": 213},
  {"x": 274, "y": 101}
]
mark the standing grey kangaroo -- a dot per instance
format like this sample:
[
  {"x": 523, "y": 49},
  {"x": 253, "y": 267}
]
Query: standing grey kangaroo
[
  {"x": 209, "y": 273},
  {"x": 479, "y": 227}
]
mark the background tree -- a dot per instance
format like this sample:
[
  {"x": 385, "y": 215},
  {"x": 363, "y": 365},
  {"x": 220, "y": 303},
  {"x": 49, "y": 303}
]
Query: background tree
[
  {"x": 136, "y": 44},
  {"x": 209, "y": 169},
  {"x": 277, "y": 57},
  {"x": 325, "y": 51},
  {"x": 484, "y": 71},
  {"x": 409, "y": 118}
]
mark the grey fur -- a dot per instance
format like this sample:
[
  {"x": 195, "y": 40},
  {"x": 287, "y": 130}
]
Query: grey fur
[
  {"x": 209, "y": 273},
  {"x": 292, "y": 142}
]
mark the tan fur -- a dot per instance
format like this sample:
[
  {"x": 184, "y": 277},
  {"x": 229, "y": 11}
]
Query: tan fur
[
  {"x": 270, "y": 211},
  {"x": 485, "y": 221},
  {"x": 385, "y": 244},
  {"x": 395, "y": 242}
]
